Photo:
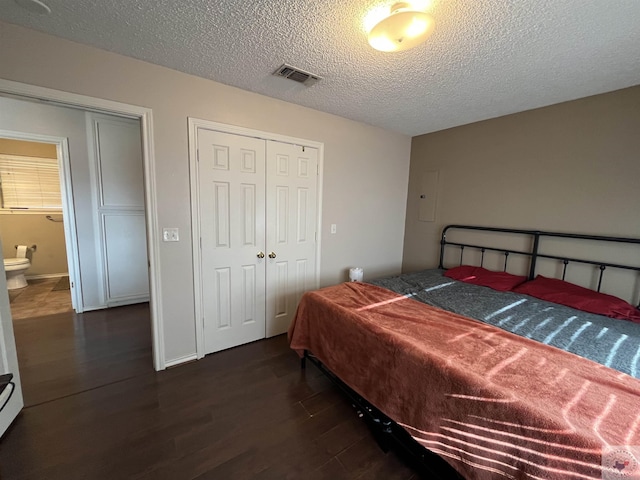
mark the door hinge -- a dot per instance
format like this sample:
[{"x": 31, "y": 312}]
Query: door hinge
[{"x": 200, "y": 243}]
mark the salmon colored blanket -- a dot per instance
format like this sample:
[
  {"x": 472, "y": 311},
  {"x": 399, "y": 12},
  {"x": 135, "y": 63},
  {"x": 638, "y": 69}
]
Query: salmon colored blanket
[{"x": 491, "y": 403}]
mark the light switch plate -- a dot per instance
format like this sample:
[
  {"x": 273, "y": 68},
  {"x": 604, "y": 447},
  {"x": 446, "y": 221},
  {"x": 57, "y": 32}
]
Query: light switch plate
[
  {"x": 334, "y": 228},
  {"x": 170, "y": 235}
]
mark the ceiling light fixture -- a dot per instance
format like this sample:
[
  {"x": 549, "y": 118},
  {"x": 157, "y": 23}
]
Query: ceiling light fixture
[
  {"x": 403, "y": 29},
  {"x": 34, "y": 6}
]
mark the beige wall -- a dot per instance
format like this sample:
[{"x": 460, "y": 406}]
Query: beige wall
[
  {"x": 570, "y": 167},
  {"x": 365, "y": 169},
  {"x": 27, "y": 149},
  {"x": 50, "y": 257}
]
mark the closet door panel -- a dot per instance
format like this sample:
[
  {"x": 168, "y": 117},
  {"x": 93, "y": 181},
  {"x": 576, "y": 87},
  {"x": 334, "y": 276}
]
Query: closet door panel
[
  {"x": 231, "y": 186},
  {"x": 291, "y": 229},
  {"x": 126, "y": 266}
]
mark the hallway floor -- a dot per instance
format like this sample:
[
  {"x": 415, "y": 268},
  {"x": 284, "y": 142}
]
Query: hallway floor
[{"x": 45, "y": 296}]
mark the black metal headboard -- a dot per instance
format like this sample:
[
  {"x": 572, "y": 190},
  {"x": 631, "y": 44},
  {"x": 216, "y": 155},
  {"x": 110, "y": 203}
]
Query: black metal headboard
[{"x": 534, "y": 253}]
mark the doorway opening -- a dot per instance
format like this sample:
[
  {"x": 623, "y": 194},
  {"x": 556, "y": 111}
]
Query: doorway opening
[
  {"x": 91, "y": 105},
  {"x": 36, "y": 209},
  {"x": 90, "y": 231}
]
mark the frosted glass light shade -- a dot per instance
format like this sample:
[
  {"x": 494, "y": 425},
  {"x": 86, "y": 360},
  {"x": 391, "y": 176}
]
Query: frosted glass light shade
[{"x": 403, "y": 29}]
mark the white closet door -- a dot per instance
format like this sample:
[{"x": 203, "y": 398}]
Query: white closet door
[
  {"x": 231, "y": 177},
  {"x": 120, "y": 209},
  {"x": 292, "y": 173}
]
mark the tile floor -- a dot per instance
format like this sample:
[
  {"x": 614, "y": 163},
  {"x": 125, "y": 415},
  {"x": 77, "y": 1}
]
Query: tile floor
[{"x": 39, "y": 298}]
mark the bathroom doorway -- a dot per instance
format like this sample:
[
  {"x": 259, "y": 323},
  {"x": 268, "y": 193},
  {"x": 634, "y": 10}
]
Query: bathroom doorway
[{"x": 37, "y": 225}]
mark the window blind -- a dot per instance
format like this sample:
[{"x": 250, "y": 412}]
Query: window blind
[{"x": 29, "y": 182}]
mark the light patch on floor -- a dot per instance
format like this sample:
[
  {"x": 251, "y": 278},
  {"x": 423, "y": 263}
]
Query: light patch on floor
[{"x": 39, "y": 298}]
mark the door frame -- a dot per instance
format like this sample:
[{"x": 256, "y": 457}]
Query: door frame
[
  {"x": 68, "y": 213},
  {"x": 194, "y": 124},
  {"x": 145, "y": 115},
  {"x": 8, "y": 358}
]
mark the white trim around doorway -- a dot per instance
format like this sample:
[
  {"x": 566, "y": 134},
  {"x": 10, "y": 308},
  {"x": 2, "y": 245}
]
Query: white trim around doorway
[
  {"x": 151, "y": 210},
  {"x": 194, "y": 124}
]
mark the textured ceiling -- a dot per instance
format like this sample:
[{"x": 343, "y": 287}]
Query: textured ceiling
[{"x": 486, "y": 58}]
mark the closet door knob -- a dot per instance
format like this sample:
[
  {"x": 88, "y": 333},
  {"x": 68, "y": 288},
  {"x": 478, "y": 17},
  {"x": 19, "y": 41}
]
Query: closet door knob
[
  {"x": 272, "y": 255},
  {"x": 260, "y": 254}
]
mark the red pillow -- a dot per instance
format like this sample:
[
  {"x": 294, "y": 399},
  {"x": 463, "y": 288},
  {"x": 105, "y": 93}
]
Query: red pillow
[
  {"x": 501, "y": 281},
  {"x": 565, "y": 293}
]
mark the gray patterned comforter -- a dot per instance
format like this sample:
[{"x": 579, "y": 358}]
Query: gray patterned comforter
[{"x": 610, "y": 342}]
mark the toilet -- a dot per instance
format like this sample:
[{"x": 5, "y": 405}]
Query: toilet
[{"x": 15, "y": 269}]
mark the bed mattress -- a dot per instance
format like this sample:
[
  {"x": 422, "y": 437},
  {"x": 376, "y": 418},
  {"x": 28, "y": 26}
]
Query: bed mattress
[{"x": 610, "y": 342}]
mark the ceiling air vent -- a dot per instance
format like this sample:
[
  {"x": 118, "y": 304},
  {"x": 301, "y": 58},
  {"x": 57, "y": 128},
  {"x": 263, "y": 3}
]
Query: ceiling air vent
[{"x": 297, "y": 75}]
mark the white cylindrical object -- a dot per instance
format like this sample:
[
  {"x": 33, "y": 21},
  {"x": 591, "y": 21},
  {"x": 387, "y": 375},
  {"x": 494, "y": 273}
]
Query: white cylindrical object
[
  {"x": 21, "y": 251},
  {"x": 356, "y": 274}
]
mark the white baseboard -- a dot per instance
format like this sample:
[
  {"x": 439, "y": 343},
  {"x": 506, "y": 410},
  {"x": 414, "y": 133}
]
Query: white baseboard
[
  {"x": 46, "y": 275},
  {"x": 93, "y": 309},
  {"x": 180, "y": 360}
]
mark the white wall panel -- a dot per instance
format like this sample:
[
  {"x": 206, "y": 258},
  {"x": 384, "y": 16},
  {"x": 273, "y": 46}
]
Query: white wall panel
[
  {"x": 126, "y": 261},
  {"x": 119, "y": 162}
]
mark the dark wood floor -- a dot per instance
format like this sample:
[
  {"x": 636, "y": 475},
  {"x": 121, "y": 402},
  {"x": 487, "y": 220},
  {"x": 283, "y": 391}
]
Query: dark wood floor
[{"x": 97, "y": 410}]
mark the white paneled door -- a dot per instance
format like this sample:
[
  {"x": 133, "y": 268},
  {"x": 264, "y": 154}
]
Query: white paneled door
[
  {"x": 257, "y": 216},
  {"x": 231, "y": 172},
  {"x": 291, "y": 229}
]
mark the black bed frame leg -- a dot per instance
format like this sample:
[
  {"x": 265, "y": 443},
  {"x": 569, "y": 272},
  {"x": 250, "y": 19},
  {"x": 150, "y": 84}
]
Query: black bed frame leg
[{"x": 303, "y": 361}]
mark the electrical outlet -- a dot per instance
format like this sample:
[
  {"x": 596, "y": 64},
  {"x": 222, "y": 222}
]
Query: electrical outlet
[{"x": 170, "y": 235}]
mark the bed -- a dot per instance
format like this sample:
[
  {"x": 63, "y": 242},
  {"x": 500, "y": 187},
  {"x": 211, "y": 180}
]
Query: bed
[{"x": 481, "y": 384}]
